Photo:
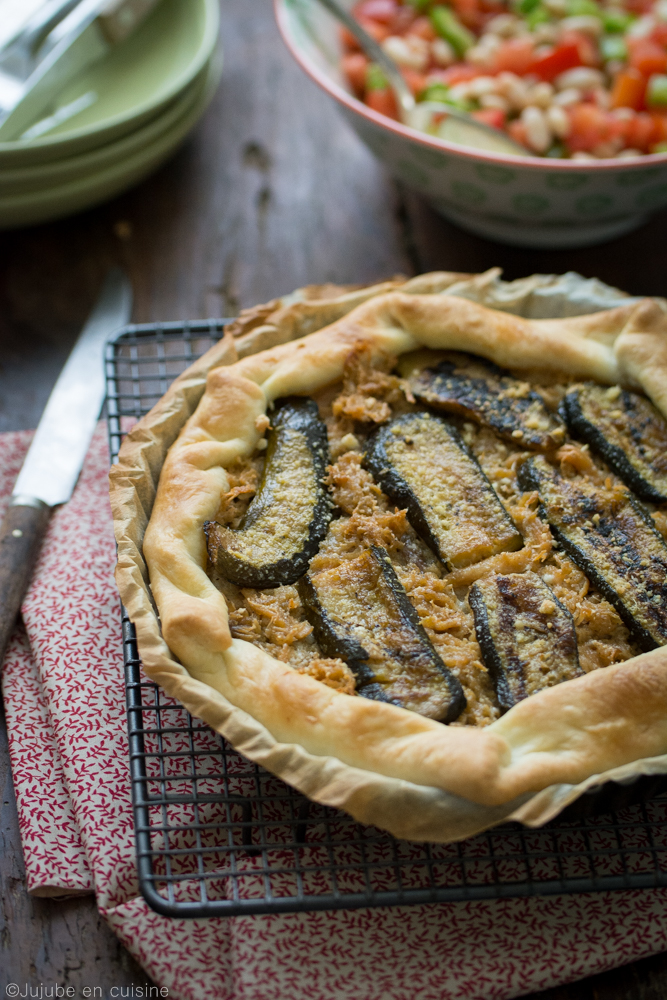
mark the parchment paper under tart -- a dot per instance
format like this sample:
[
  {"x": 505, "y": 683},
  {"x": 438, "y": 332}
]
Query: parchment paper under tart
[{"x": 383, "y": 765}]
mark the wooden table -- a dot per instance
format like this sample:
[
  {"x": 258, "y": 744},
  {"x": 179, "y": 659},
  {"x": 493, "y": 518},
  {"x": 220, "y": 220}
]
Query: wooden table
[{"x": 272, "y": 192}]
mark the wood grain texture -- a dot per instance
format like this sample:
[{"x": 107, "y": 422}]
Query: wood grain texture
[{"x": 272, "y": 192}]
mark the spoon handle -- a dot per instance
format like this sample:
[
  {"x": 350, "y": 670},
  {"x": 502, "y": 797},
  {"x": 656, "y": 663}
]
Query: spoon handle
[
  {"x": 375, "y": 52},
  {"x": 119, "y": 18}
]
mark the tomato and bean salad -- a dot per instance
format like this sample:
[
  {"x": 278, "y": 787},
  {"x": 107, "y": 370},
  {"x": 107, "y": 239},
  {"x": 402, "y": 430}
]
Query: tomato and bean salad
[{"x": 574, "y": 79}]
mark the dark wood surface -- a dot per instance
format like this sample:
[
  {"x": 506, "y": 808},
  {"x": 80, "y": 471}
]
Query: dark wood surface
[{"x": 273, "y": 191}]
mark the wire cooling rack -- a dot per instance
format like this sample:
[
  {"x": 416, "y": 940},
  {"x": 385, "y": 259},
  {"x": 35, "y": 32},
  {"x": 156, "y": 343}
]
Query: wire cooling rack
[{"x": 218, "y": 836}]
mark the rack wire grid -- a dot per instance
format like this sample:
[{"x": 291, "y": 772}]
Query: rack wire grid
[{"x": 217, "y": 835}]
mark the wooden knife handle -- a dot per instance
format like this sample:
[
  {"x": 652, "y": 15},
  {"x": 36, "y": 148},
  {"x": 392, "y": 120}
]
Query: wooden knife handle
[
  {"x": 119, "y": 18},
  {"x": 20, "y": 540}
]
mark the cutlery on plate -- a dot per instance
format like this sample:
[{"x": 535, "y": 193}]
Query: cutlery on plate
[
  {"x": 458, "y": 126},
  {"x": 53, "y": 49},
  {"x": 54, "y": 459}
]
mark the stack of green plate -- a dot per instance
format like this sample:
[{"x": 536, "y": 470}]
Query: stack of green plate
[{"x": 145, "y": 98}]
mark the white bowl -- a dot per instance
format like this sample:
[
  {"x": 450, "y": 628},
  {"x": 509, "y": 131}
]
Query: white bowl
[{"x": 525, "y": 201}]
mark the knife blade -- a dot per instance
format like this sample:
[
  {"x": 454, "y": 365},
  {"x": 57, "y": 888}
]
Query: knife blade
[{"x": 54, "y": 459}]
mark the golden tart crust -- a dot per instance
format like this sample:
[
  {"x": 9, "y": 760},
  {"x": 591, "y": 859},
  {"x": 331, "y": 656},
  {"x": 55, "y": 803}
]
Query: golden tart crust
[{"x": 383, "y": 764}]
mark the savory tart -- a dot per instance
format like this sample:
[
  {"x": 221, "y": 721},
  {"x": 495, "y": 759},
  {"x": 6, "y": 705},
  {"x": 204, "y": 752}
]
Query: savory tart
[{"x": 405, "y": 564}]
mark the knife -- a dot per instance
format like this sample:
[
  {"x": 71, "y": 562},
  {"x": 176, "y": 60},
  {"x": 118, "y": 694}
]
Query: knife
[{"x": 54, "y": 459}]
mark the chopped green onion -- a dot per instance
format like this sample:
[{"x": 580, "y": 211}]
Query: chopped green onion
[
  {"x": 656, "y": 92},
  {"x": 441, "y": 93},
  {"x": 448, "y": 26},
  {"x": 577, "y": 8},
  {"x": 613, "y": 47},
  {"x": 537, "y": 16},
  {"x": 556, "y": 152},
  {"x": 375, "y": 78},
  {"x": 616, "y": 21},
  {"x": 435, "y": 92},
  {"x": 526, "y": 6},
  {"x": 419, "y": 4},
  {"x": 660, "y": 147}
]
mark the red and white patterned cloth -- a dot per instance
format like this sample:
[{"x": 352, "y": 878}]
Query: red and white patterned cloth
[{"x": 64, "y": 699}]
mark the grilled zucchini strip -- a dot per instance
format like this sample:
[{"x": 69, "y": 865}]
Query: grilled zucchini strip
[
  {"x": 290, "y": 513},
  {"x": 422, "y": 464},
  {"x": 478, "y": 390},
  {"x": 612, "y": 538},
  {"x": 361, "y": 613},
  {"x": 626, "y": 430},
  {"x": 527, "y": 637}
]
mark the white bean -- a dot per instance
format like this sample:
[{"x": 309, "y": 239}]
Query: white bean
[
  {"x": 581, "y": 77},
  {"x": 625, "y": 154},
  {"x": 503, "y": 24},
  {"x": 568, "y": 97},
  {"x": 480, "y": 56},
  {"x": 602, "y": 98},
  {"x": 538, "y": 133},
  {"x": 606, "y": 150},
  {"x": 642, "y": 27},
  {"x": 512, "y": 87},
  {"x": 556, "y": 7},
  {"x": 558, "y": 120},
  {"x": 660, "y": 10},
  {"x": 494, "y": 101},
  {"x": 541, "y": 95},
  {"x": 482, "y": 85},
  {"x": 442, "y": 52},
  {"x": 413, "y": 52},
  {"x": 586, "y": 23}
]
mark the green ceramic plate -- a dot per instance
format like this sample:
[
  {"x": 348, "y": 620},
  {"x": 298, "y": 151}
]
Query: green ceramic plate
[
  {"x": 24, "y": 180},
  {"x": 57, "y": 201},
  {"x": 134, "y": 84}
]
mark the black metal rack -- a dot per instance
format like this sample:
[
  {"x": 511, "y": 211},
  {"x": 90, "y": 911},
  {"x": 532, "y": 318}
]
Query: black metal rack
[{"x": 218, "y": 836}]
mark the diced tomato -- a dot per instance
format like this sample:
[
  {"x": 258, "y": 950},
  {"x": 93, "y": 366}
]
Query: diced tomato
[
  {"x": 377, "y": 10},
  {"x": 659, "y": 34},
  {"x": 382, "y": 101},
  {"x": 588, "y": 51},
  {"x": 629, "y": 89},
  {"x": 589, "y": 126},
  {"x": 646, "y": 56},
  {"x": 514, "y": 56},
  {"x": 422, "y": 26},
  {"x": 562, "y": 58},
  {"x": 470, "y": 13},
  {"x": 490, "y": 116},
  {"x": 640, "y": 131},
  {"x": 518, "y": 132},
  {"x": 416, "y": 81},
  {"x": 375, "y": 29},
  {"x": 659, "y": 127},
  {"x": 403, "y": 19},
  {"x": 639, "y": 6},
  {"x": 458, "y": 73},
  {"x": 355, "y": 66}
]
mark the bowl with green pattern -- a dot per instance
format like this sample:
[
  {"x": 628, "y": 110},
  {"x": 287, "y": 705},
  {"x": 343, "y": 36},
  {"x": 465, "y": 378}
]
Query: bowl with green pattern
[{"x": 525, "y": 201}]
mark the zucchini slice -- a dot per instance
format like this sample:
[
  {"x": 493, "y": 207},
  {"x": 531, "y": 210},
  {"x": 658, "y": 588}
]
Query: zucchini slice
[
  {"x": 612, "y": 538},
  {"x": 478, "y": 390},
  {"x": 422, "y": 464},
  {"x": 527, "y": 637},
  {"x": 626, "y": 430},
  {"x": 290, "y": 513},
  {"x": 361, "y": 613}
]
